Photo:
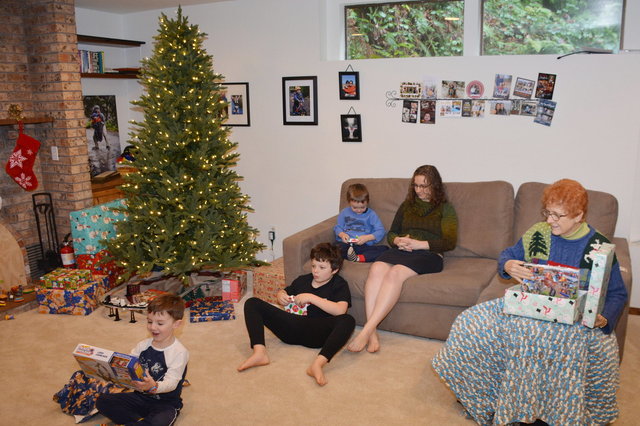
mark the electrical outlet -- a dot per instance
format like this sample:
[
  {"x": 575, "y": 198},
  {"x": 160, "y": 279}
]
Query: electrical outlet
[{"x": 54, "y": 153}]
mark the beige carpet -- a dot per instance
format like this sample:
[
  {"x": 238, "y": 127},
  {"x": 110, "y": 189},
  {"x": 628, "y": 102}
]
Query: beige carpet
[{"x": 394, "y": 387}]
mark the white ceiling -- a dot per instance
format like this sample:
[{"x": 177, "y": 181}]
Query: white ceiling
[{"x": 130, "y": 6}]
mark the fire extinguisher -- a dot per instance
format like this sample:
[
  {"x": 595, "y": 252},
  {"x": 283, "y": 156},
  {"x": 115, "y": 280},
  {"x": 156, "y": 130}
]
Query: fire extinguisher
[{"x": 67, "y": 254}]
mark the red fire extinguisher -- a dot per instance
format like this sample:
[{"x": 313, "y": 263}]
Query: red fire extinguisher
[{"x": 67, "y": 254}]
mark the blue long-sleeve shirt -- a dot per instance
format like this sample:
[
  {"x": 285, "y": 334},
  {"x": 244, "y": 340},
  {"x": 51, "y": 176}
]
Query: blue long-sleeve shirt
[
  {"x": 570, "y": 252},
  {"x": 356, "y": 225}
]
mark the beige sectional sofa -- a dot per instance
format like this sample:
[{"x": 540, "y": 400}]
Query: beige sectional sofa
[{"x": 490, "y": 219}]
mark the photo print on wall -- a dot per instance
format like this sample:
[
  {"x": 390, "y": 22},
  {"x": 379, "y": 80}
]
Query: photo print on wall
[
  {"x": 546, "y": 85},
  {"x": 453, "y": 89},
  {"x": 103, "y": 137},
  {"x": 502, "y": 86},
  {"x": 523, "y": 87}
]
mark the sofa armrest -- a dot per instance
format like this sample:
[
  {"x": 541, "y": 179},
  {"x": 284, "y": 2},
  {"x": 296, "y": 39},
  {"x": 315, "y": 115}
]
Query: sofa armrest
[{"x": 296, "y": 247}]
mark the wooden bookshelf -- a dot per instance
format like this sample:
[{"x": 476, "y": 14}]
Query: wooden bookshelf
[{"x": 106, "y": 41}]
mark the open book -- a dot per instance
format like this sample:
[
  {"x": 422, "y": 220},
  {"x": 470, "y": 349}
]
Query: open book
[
  {"x": 556, "y": 281},
  {"x": 116, "y": 367}
]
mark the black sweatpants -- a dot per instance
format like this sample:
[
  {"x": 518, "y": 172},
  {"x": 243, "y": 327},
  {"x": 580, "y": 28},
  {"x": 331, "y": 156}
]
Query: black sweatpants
[
  {"x": 135, "y": 408},
  {"x": 329, "y": 333}
]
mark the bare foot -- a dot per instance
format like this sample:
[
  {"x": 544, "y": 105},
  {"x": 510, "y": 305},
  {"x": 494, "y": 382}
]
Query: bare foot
[
  {"x": 358, "y": 343},
  {"x": 257, "y": 359},
  {"x": 315, "y": 370},
  {"x": 373, "y": 345}
]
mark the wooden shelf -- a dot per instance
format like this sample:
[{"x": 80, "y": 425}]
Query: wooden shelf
[
  {"x": 26, "y": 120},
  {"x": 108, "y": 75},
  {"x": 108, "y": 41}
]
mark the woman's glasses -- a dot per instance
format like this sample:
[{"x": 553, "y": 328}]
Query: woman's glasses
[
  {"x": 553, "y": 215},
  {"x": 422, "y": 187}
]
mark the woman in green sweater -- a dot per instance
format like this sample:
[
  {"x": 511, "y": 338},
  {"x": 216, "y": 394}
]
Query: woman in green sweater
[{"x": 424, "y": 227}]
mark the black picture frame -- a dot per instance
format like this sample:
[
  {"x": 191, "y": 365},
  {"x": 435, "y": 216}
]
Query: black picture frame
[
  {"x": 238, "y": 111},
  {"x": 300, "y": 100},
  {"x": 349, "y": 85},
  {"x": 351, "y": 127}
]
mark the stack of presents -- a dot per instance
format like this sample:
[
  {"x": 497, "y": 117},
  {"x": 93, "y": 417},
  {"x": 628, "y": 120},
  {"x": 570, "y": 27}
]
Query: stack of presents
[
  {"x": 554, "y": 293},
  {"x": 79, "y": 291}
]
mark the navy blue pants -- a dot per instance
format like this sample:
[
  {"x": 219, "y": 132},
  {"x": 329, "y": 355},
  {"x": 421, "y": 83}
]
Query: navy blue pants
[
  {"x": 329, "y": 333},
  {"x": 135, "y": 408}
]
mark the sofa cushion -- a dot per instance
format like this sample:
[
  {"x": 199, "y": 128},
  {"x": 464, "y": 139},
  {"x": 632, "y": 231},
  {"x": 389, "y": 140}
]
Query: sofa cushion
[
  {"x": 459, "y": 284},
  {"x": 484, "y": 209},
  {"x": 485, "y": 215},
  {"x": 602, "y": 211}
]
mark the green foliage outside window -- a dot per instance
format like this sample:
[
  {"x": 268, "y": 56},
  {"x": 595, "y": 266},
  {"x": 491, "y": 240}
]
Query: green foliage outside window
[
  {"x": 510, "y": 27},
  {"x": 408, "y": 29},
  {"x": 526, "y": 27}
]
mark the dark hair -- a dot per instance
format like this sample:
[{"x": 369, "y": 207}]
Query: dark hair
[
  {"x": 172, "y": 304},
  {"x": 327, "y": 252},
  {"x": 431, "y": 174},
  {"x": 357, "y": 192}
]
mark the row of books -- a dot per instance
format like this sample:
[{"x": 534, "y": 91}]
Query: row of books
[{"x": 91, "y": 62}]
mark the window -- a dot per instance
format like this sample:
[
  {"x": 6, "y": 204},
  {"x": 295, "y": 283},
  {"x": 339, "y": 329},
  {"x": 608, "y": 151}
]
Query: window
[
  {"x": 404, "y": 29},
  {"x": 529, "y": 27}
]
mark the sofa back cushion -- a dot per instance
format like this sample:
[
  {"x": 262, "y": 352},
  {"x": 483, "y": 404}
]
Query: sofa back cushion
[
  {"x": 484, "y": 209},
  {"x": 602, "y": 211}
]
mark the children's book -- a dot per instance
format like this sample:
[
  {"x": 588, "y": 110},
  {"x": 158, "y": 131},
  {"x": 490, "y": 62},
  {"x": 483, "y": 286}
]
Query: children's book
[
  {"x": 121, "y": 369},
  {"x": 555, "y": 281}
]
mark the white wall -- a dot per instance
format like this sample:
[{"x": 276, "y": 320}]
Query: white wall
[{"x": 293, "y": 173}]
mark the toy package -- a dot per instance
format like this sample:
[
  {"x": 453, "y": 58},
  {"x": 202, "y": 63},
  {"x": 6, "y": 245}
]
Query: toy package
[
  {"x": 121, "y": 369},
  {"x": 555, "y": 281}
]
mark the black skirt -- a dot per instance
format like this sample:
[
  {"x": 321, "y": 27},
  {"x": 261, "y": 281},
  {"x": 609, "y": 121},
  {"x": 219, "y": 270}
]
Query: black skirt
[{"x": 420, "y": 261}]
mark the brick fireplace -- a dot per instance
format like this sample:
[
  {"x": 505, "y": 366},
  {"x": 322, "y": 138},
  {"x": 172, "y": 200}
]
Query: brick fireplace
[{"x": 39, "y": 71}]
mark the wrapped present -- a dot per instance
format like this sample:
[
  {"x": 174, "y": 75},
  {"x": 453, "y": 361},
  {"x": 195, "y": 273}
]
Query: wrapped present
[
  {"x": 267, "y": 280},
  {"x": 81, "y": 301},
  {"x": 602, "y": 259},
  {"x": 547, "y": 308},
  {"x": 66, "y": 278},
  {"x": 207, "y": 309},
  {"x": 94, "y": 263},
  {"x": 92, "y": 225},
  {"x": 294, "y": 308},
  {"x": 234, "y": 285}
]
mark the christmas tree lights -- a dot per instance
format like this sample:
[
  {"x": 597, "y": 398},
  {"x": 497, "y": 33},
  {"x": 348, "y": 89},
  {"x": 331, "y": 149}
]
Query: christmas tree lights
[{"x": 186, "y": 210}]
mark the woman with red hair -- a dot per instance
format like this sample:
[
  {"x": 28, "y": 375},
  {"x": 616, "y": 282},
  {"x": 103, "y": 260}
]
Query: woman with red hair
[{"x": 508, "y": 369}]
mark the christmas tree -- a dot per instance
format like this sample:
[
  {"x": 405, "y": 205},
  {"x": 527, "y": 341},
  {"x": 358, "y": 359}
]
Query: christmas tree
[{"x": 185, "y": 208}]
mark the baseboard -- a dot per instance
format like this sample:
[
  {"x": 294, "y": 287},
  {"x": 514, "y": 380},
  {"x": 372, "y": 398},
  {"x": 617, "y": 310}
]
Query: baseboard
[{"x": 634, "y": 311}]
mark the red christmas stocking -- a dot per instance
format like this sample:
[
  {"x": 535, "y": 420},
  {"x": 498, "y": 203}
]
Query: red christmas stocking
[{"x": 20, "y": 164}]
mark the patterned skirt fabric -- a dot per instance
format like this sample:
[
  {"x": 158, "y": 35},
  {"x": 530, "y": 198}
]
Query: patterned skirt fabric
[
  {"x": 78, "y": 397},
  {"x": 505, "y": 369}
]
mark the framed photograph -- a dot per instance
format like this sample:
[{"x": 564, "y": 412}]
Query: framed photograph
[
  {"x": 300, "y": 100},
  {"x": 351, "y": 127},
  {"x": 101, "y": 128},
  {"x": 349, "y": 82},
  {"x": 237, "y": 94}
]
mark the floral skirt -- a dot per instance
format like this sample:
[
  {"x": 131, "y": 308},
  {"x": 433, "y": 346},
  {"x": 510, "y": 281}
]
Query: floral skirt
[
  {"x": 505, "y": 369},
  {"x": 78, "y": 397}
]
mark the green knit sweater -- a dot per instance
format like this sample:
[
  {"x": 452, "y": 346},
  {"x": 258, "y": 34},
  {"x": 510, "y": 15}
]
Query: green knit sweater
[{"x": 421, "y": 221}]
